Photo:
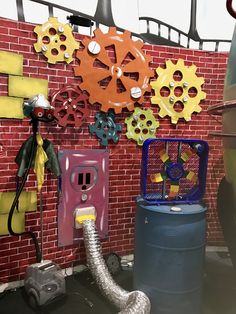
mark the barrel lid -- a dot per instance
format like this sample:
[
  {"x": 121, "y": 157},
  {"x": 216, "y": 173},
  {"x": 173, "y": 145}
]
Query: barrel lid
[
  {"x": 219, "y": 108},
  {"x": 173, "y": 209}
]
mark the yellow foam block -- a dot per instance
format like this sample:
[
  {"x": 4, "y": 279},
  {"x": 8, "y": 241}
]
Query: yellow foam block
[
  {"x": 11, "y": 107},
  {"x": 11, "y": 63},
  {"x": 18, "y": 223},
  {"x": 27, "y": 201},
  {"x": 26, "y": 87}
]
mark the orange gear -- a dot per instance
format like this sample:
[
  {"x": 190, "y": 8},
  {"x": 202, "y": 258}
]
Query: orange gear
[{"x": 118, "y": 80}]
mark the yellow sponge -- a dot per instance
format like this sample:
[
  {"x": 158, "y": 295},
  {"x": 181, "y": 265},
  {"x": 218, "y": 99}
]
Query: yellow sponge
[
  {"x": 26, "y": 87},
  {"x": 27, "y": 201},
  {"x": 11, "y": 63},
  {"x": 18, "y": 223}
]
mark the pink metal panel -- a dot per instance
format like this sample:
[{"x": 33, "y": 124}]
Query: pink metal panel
[{"x": 84, "y": 183}]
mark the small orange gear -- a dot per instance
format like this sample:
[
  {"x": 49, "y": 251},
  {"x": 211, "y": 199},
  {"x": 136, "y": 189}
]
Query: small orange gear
[{"x": 114, "y": 80}]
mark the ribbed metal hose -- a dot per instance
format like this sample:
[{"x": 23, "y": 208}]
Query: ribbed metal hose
[{"x": 135, "y": 302}]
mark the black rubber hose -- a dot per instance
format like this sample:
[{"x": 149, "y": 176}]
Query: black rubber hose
[
  {"x": 18, "y": 193},
  {"x": 230, "y": 8}
]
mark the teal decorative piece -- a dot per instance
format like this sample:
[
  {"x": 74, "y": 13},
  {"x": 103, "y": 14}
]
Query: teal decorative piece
[{"x": 105, "y": 128}]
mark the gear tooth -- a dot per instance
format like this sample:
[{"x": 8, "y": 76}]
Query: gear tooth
[
  {"x": 162, "y": 113},
  {"x": 103, "y": 107},
  {"x": 155, "y": 100},
  {"x": 52, "y": 19},
  {"x": 180, "y": 63},
  {"x": 76, "y": 45},
  {"x": 148, "y": 60},
  {"x": 175, "y": 119},
  {"x": 130, "y": 107},
  {"x": 92, "y": 100},
  {"x": 128, "y": 135},
  {"x": 37, "y": 29},
  {"x": 201, "y": 80},
  {"x": 82, "y": 86},
  {"x": 198, "y": 109},
  {"x": 112, "y": 30},
  {"x": 37, "y": 47},
  {"x": 203, "y": 95},
  {"x": 159, "y": 71},
  {"x": 168, "y": 64},
  {"x": 127, "y": 34},
  {"x": 98, "y": 32},
  {"x": 150, "y": 73},
  {"x": 119, "y": 127},
  {"x": 187, "y": 118},
  {"x": 139, "y": 45},
  {"x": 69, "y": 60},
  {"x": 193, "y": 68},
  {"x": 153, "y": 83},
  {"x": 118, "y": 109},
  {"x": 85, "y": 41}
]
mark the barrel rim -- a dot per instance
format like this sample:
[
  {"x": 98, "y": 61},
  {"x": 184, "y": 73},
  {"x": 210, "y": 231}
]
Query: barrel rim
[{"x": 220, "y": 107}]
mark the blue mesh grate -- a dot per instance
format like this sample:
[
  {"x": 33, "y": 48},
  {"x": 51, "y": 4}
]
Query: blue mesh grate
[{"x": 186, "y": 174}]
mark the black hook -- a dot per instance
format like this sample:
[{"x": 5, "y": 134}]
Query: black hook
[{"x": 230, "y": 9}]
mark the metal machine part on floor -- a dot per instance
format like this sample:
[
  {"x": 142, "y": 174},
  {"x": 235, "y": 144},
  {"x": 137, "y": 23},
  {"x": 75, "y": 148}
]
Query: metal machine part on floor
[{"x": 44, "y": 283}]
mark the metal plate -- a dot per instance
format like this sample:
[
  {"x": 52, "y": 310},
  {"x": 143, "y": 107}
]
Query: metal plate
[{"x": 84, "y": 183}]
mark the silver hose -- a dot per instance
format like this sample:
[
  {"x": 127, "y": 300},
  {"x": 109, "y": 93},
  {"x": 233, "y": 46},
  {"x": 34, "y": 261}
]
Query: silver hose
[{"x": 135, "y": 302}]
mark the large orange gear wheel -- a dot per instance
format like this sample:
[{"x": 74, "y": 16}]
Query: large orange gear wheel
[{"x": 114, "y": 70}]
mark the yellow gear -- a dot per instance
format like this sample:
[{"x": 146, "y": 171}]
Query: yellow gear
[
  {"x": 55, "y": 41},
  {"x": 141, "y": 125},
  {"x": 182, "y": 94}
]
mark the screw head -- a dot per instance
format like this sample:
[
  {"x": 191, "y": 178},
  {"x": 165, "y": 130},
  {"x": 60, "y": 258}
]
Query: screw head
[
  {"x": 69, "y": 100},
  {"x": 66, "y": 55},
  {"x": 136, "y": 92},
  {"x": 94, "y": 47},
  {"x": 44, "y": 48},
  {"x": 141, "y": 138},
  {"x": 171, "y": 84},
  {"x": 185, "y": 99},
  {"x": 172, "y": 99},
  {"x": 135, "y": 117},
  {"x": 185, "y": 84},
  {"x": 60, "y": 29}
]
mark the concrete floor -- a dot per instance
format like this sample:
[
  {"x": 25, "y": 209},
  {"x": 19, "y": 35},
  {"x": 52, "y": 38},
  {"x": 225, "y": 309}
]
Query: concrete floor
[{"x": 83, "y": 296}]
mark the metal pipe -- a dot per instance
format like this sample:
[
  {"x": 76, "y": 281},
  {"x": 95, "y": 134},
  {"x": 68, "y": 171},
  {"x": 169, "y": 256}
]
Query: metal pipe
[{"x": 134, "y": 302}]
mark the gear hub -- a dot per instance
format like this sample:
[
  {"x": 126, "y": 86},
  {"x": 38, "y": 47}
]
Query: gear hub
[
  {"x": 114, "y": 70},
  {"x": 71, "y": 106},
  {"x": 177, "y": 91},
  {"x": 105, "y": 128},
  {"x": 141, "y": 125},
  {"x": 56, "y": 41}
]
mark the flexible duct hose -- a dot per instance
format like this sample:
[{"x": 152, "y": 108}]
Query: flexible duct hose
[{"x": 135, "y": 302}]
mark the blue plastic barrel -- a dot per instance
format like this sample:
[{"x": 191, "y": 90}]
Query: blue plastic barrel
[{"x": 169, "y": 256}]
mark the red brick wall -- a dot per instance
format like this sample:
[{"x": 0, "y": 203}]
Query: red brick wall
[{"x": 17, "y": 252}]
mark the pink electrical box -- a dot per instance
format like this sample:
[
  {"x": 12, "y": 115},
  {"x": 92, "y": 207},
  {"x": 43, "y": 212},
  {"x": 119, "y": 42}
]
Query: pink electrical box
[{"x": 84, "y": 183}]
